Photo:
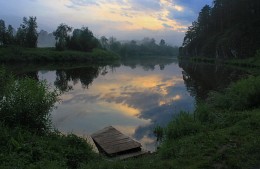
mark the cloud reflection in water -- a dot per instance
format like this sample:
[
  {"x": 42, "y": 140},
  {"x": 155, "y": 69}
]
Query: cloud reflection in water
[{"x": 132, "y": 100}]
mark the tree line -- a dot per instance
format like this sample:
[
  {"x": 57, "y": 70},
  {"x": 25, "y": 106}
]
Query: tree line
[
  {"x": 81, "y": 39},
  {"x": 26, "y": 35},
  {"x": 84, "y": 40},
  {"x": 142, "y": 48},
  {"x": 228, "y": 29}
]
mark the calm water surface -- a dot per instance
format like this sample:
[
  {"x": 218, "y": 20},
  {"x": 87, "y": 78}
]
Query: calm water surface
[{"x": 133, "y": 96}]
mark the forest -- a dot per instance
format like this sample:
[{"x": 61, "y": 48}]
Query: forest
[{"x": 229, "y": 29}]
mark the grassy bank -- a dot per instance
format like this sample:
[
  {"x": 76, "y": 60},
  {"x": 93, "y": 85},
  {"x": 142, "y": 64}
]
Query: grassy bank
[
  {"x": 18, "y": 54},
  {"x": 222, "y": 132}
]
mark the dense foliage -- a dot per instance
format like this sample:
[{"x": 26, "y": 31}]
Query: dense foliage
[
  {"x": 26, "y": 35},
  {"x": 62, "y": 35},
  {"x": 136, "y": 49},
  {"x": 6, "y": 34},
  {"x": 25, "y": 102},
  {"x": 228, "y": 29},
  {"x": 80, "y": 40}
]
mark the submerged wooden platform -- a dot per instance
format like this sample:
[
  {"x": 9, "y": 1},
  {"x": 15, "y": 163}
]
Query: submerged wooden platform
[{"x": 113, "y": 143}]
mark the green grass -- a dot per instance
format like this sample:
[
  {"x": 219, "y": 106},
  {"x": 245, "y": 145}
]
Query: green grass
[{"x": 18, "y": 54}]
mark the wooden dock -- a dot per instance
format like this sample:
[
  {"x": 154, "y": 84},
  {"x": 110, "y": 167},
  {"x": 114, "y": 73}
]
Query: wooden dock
[{"x": 113, "y": 143}]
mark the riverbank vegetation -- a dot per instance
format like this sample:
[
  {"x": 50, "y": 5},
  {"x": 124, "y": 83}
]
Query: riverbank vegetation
[
  {"x": 27, "y": 137},
  {"x": 223, "y": 132},
  {"x": 145, "y": 48},
  {"x": 72, "y": 45},
  {"x": 21, "y": 45},
  {"x": 18, "y": 54}
]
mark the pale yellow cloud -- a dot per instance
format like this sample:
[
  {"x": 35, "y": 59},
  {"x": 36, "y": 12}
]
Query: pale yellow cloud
[{"x": 120, "y": 108}]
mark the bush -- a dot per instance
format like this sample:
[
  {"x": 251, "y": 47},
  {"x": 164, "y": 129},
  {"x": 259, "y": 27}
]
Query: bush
[
  {"x": 26, "y": 103},
  {"x": 245, "y": 94}
]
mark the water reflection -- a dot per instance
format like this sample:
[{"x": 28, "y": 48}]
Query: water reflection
[
  {"x": 133, "y": 97},
  {"x": 200, "y": 78}
]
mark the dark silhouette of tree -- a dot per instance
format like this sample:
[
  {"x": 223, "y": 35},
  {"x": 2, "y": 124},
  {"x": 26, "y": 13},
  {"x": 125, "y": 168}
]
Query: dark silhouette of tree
[
  {"x": 2, "y": 32},
  {"x": 27, "y": 33},
  {"x": 83, "y": 40},
  {"x": 162, "y": 42},
  {"x": 104, "y": 42},
  {"x": 61, "y": 35},
  {"x": 228, "y": 29},
  {"x": 10, "y": 35}
]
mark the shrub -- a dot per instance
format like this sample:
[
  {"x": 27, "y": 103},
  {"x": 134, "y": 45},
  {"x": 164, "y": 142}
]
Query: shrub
[
  {"x": 245, "y": 94},
  {"x": 26, "y": 103}
]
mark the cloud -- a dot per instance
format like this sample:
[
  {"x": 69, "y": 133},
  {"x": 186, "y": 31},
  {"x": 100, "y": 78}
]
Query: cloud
[
  {"x": 145, "y": 4},
  {"x": 186, "y": 11},
  {"x": 83, "y": 2},
  {"x": 167, "y": 26},
  {"x": 184, "y": 17}
]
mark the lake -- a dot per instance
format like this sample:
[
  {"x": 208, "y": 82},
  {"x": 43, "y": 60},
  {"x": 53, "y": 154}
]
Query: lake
[{"x": 134, "y": 96}]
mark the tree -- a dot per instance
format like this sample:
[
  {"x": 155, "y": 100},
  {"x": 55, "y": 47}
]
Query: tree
[
  {"x": 104, "y": 42},
  {"x": 162, "y": 42},
  {"x": 83, "y": 40},
  {"x": 20, "y": 37},
  {"x": 31, "y": 32},
  {"x": 204, "y": 18},
  {"x": 27, "y": 33},
  {"x": 62, "y": 35},
  {"x": 114, "y": 45},
  {"x": 2, "y": 32},
  {"x": 9, "y": 35}
]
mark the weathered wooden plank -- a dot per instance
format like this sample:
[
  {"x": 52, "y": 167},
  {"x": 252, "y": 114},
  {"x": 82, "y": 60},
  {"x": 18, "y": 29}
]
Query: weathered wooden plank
[
  {"x": 115, "y": 142},
  {"x": 105, "y": 130},
  {"x": 112, "y": 141},
  {"x": 107, "y": 135}
]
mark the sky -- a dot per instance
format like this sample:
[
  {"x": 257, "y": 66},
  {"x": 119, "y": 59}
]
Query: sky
[{"x": 122, "y": 19}]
